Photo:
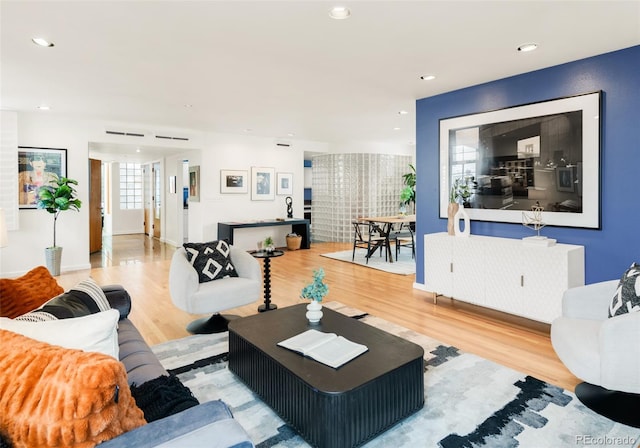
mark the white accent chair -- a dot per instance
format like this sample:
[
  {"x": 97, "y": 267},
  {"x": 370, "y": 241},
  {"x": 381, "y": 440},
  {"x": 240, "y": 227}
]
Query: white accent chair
[
  {"x": 214, "y": 296},
  {"x": 603, "y": 352}
]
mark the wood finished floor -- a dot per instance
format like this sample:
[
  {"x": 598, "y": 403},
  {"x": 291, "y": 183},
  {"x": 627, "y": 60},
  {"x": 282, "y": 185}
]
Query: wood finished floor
[{"x": 141, "y": 265}]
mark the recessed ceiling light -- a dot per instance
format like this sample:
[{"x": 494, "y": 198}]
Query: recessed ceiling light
[
  {"x": 291, "y": 134},
  {"x": 396, "y": 129},
  {"x": 527, "y": 47},
  {"x": 44, "y": 107},
  {"x": 42, "y": 42},
  {"x": 339, "y": 12},
  {"x": 138, "y": 150},
  {"x": 188, "y": 106},
  {"x": 428, "y": 77},
  {"x": 403, "y": 112}
]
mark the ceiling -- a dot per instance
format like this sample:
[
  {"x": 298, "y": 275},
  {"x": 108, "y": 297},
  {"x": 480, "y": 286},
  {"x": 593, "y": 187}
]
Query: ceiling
[{"x": 285, "y": 69}]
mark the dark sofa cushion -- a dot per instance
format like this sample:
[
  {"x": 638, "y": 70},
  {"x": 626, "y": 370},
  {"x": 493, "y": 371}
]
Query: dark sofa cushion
[{"x": 83, "y": 299}]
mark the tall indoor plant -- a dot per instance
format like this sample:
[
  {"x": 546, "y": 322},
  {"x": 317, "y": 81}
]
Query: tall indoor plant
[
  {"x": 408, "y": 193},
  {"x": 58, "y": 196}
]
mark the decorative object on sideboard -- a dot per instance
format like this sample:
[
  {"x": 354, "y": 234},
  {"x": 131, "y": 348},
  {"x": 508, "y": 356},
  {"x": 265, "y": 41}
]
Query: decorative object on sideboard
[
  {"x": 57, "y": 198},
  {"x": 461, "y": 217},
  {"x": 534, "y": 221},
  {"x": 459, "y": 194},
  {"x": 315, "y": 291},
  {"x": 289, "y": 201}
]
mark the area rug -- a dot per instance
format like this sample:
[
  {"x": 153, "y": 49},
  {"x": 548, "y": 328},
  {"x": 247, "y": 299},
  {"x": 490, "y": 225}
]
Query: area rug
[
  {"x": 404, "y": 265},
  {"x": 469, "y": 401}
]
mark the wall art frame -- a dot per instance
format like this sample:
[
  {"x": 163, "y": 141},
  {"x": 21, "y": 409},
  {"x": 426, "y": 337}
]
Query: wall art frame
[
  {"x": 234, "y": 181},
  {"x": 38, "y": 167},
  {"x": 562, "y": 173},
  {"x": 194, "y": 183},
  {"x": 262, "y": 183},
  {"x": 284, "y": 184}
]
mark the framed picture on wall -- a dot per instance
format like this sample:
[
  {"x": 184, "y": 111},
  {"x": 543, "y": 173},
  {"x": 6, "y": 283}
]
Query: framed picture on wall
[
  {"x": 262, "y": 184},
  {"x": 234, "y": 181},
  {"x": 194, "y": 183},
  {"x": 544, "y": 154},
  {"x": 38, "y": 167},
  {"x": 285, "y": 183}
]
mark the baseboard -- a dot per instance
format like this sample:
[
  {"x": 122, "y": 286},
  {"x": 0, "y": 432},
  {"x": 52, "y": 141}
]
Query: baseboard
[{"x": 420, "y": 286}]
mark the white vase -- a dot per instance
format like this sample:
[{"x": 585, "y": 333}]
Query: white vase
[
  {"x": 314, "y": 312},
  {"x": 463, "y": 216}
]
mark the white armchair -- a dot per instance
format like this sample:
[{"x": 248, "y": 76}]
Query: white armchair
[
  {"x": 603, "y": 352},
  {"x": 214, "y": 296}
]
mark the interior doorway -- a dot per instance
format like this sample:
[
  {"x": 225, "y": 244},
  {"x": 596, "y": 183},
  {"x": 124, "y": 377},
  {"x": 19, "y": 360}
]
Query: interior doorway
[{"x": 95, "y": 205}]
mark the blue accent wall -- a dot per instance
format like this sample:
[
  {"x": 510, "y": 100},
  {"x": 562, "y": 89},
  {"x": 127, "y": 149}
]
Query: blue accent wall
[{"x": 608, "y": 251}]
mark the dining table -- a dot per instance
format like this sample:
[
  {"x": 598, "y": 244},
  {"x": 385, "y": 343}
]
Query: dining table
[{"x": 384, "y": 228}]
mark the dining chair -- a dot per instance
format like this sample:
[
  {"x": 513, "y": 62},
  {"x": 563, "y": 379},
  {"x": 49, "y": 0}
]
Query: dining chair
[
  {"x": 366, "y": 235},
  {"x": 404, "y": 237}
]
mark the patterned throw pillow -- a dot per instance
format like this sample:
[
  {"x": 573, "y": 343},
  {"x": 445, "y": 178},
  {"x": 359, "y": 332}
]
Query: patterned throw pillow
[
  {"x": 627, "y": 296},
  {"x": 87, "y": 297},
  {"x": 211, "y": 260}
]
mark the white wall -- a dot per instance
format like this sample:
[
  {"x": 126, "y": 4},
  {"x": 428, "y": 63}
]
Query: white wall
[
  {"x": 235, "y": 152},
  {"x": 213, "y": 152}
]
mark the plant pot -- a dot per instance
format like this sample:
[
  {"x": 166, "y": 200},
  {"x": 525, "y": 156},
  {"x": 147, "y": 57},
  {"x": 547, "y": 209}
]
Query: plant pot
[
  {"x": 452, "y": 209},
  {"x": 314, "y": 312},
  {"x": 53, "y": 257},
  {"x": 294, "y": 242}
]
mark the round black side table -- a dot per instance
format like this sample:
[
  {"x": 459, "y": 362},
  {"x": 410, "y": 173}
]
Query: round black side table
[{"x": 267, "y": 256}]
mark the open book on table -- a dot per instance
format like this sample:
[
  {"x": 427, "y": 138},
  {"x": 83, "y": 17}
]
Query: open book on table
[{"x": 327, "y": 348}]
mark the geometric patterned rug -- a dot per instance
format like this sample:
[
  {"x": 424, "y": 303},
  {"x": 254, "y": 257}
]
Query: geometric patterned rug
[{"x": 469, "y": 401}]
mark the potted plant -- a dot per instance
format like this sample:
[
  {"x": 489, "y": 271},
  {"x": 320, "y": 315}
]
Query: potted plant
[
  {"x": 315, "y": 291},
  {"x": 408, "y": 193},
  {"x": 268, "y": 244},
  {"x": 55, "y": 198}
]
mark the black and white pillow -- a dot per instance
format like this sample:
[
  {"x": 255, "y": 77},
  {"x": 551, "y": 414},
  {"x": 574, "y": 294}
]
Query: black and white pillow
[
  {"x": 211, "y": 260},
  {"x": 87, "y": 297},
  {"x": 627, "y": 296}
]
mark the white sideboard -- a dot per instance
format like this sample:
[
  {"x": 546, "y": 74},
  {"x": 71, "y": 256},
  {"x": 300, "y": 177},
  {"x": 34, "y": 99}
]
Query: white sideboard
[{"x": 502, "y": 273}]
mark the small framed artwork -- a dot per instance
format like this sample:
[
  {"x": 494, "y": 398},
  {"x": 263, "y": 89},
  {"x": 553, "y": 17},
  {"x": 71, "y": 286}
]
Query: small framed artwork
[
  {"x": 194, "y": 183},
  {"x": 172, "y": 184},
  {"x": 285, "y": 183},
  {"x": 234, "y": 181},
  {"x": 564, "y": 179},
  {"x": 38, "y": 167},
  {"x": 262, "y": 188}
]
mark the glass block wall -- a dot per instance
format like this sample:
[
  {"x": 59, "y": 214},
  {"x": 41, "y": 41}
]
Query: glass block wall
[{"x": 349, "y": 186}]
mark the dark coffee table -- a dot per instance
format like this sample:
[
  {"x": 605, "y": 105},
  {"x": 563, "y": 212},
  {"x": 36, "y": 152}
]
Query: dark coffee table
[{"x": 335, "y": 408}]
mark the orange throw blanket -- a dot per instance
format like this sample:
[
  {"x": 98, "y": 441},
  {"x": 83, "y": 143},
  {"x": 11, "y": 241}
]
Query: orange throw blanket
[{"x": 56, "y": 397}]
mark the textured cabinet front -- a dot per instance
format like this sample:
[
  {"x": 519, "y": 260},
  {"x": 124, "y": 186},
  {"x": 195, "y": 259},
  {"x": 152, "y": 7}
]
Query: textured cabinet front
[{"x": 503, "y": 274}]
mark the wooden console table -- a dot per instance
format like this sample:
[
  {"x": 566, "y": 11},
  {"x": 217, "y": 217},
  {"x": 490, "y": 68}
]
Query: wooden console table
[{"x": 299, "y": 226}]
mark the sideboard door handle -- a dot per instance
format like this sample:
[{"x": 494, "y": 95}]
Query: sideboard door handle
[{"x": 522, "y": 281}]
